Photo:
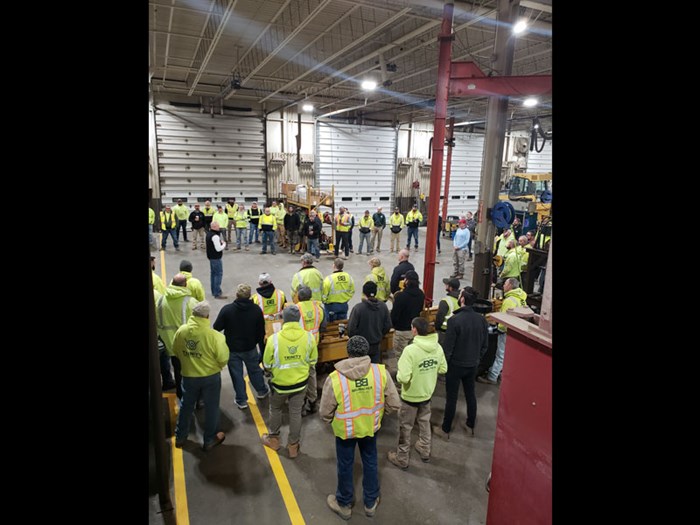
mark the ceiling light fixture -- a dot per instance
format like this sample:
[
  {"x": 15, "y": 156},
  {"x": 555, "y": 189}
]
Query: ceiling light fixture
[
  {"x": 308, "y": 107},
  {"x": 519, "y": 27},
  {"x": 369, "y": 85},
  {"x": 530, "y": 102}
]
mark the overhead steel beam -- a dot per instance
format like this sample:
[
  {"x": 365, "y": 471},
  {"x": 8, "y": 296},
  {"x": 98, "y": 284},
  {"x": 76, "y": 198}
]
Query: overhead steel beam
[
  {"x": 342, "y": 51},
  {"x": 539, "y": 6},
  {"x": 167, "y": 41},
  {"x": 202, "y": 31},
  {"x": 214, "y": 42},
  {"x": 282, "y": 44}
]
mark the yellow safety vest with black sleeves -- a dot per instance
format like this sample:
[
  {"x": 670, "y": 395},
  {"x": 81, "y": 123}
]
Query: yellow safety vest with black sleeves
[
  {"x": 452, "y": 305},
  {"x": 411, "y": 217},
  {"x": 231, "y": 210},
  {"x": 366, "y": 222},
  {"x": 396, "y": 220},
  {"x": 342, "y": 222},
  {"x": 310, "y": 277},
  {"x": 166, "y": 218},
  {"x": 288, "y": 355},
  {"x": 270, "y": 305},
  {"x": 360, "y": 403},
  {"x": 338, "y": 287},
  {"x": 311, "y": 317},
  {"x": 241, "y": 218},
  {"x": 378, "y": 276},
  {"x": 267, "y": 223}
]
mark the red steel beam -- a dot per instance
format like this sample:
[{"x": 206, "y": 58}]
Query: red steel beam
[
  {"x": 448, "y": 169},
  {"x": 467, "y": 80}
]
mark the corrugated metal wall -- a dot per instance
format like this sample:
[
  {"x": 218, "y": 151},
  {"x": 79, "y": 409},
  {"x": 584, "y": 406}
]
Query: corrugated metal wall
[
  {"x": 282, "y": 167},
  {"x": 200, "y": 157},
  {"x": 540, "y": 162},
  {"x": 465, "y": 176},
  {"x": 359, "y": 161}
]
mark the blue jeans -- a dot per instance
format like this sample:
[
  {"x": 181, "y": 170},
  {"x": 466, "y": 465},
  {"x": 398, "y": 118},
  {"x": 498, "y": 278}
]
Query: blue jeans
[
  {"x": 313, "y": 248},
  {"x": 253, "y": 228},
  {"x": 165, "y": 238},
  {"x": 364, "y": 237},
  {"x": 209, "y": 390},
  {"x": 412, "y": 232},
  {"x": 336, "y": 311},
  {"x": 345, "y": 458},
  {"x": 240, "y": 234},
  {"x": 497, "y": 365},
  {"x": 251, "y": 358},
  {"x": 150, "y": 235},
  {"x": 217, "y": 274},
  {"x": 268, "y": 240}
]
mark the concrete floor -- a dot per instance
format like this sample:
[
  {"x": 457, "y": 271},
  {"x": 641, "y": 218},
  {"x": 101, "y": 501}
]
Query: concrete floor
[{"x": 234, "y": 483}]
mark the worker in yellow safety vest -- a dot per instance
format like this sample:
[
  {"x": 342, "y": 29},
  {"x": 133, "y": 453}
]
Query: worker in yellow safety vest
[
  {"x": 338, "y": 289},
  {"x": 231, "y": 209},
  {"x": 240, "y": 217},
  {"x": 182, "y": 213},
  {"x": 342, "y": 231},
  {"x": 511, "y": 262},
  {"x": 168, "y": 223},
  {"x": 309, "y": 276},
  {"x": 447, "y": 307},
  {"x": 396, "y": 224},
  {"x": 413, "y": 220},
  {"x": 267, "y": 225},
  {"x": 378, "y": 276},
  {"x": 313, "y": 321},
  {"x": 270, "y": 300},
  {"x": 157, "y": 281},
  {"x": 221, "y": 217},
  {"x": 208, "y": 211},
  {"x": 194, "y": 284},
  {"x": 288, "y": 355},
  {"x": 151, "y": 221},
  {"x": 354, "y": 399}
]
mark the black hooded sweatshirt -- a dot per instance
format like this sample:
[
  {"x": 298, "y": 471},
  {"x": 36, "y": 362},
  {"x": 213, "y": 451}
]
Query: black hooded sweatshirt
[
  {"x": 243, "y": 325},
  {"x": 370, "y": 319}
]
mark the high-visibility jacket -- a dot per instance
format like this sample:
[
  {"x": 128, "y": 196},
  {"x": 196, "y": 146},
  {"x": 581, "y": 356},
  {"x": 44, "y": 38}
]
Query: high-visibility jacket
[
  {"x": 182, "y": 212},
  {"x": 501, "y": 250},
  {"x": 231, "y": 210},
  {"x": 366, "y": 222},
  {"x": 524, "y": 256},
  {"x": 167, "y": 221},
  {"x": 541, "y": 240},
  {"x": 360, "y": 403},
  {"x": 201, "y": 350},
  {"x": 221, "y": 218},
  {"x": 288, "y": 355},
  {"x": 311, "y": 317},
  {"x": 342, "y": 222},
  {"x": 270, "y": 305},
  {"x": 208, "y": 212},
  {"x": 396, "y": 219},
  {"x": 173, "y": 309},
  {"x": 511, "y": 265},
  {"x": 194, "y": 285},
  {"x": 151, "y": 216},
  {"x": 158, "y": 283},
  {"x": 412, "y": 216},
  {"x": 281, "y": 212},
  {"x": 267, "y": 222},
  {"x": 512, "y": 299},
  {"x": 338, "y": 287},
  {"x": 241, "y": 218},
  {"x": 378, "y": 276},
  {"x": 310, "y": 277},
  {"x": 452, "y": 305}
]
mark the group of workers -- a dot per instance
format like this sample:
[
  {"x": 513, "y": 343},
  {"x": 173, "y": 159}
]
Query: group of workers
[{"x": 360, "y": 389}]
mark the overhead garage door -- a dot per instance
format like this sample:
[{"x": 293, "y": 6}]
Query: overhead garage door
[
  {"x": 360, "y": 162},
  {"x": 465, "y": 176},
  {"x": 540, "y": 162},
  {"x": 202, "y": 157}
]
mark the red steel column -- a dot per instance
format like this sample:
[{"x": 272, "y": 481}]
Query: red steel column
[
  {"x": 448, "y": 168},
  {"x": 443, "y": 82}
]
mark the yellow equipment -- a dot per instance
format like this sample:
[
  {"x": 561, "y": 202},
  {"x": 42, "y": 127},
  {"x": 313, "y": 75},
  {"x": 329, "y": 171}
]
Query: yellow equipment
[{"x": 527, "y": 191}]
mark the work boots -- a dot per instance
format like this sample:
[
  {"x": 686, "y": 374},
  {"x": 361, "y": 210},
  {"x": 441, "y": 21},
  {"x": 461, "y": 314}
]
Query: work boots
[
  {"x": 293, "y": 450},
  {"x": 272, "y": 442}
]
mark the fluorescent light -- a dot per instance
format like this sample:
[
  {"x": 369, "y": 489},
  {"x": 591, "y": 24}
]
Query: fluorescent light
[
  {"x": 519, "y": 27},
  {"x": 369, "y": 85},
  {"x": 307, "y": 107},
  {"x": 530, "y": 102}
]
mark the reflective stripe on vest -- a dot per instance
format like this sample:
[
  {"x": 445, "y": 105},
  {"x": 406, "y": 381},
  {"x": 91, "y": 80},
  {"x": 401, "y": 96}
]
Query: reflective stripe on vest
[
  {"x": 278, "y": 305},
  {"x": 347, "y": 415},
  {"x": 185, "y": 300},
  {"x": 276, "y": 356},
  {"x": 341, "y": 292},
  {"x": 317, "y": 320},
  {"x": 452, "y": 305}
]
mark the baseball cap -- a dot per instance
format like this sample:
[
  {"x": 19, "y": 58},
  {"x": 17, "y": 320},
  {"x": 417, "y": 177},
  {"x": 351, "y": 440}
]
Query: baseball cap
[
  {"x": 264, "y": 278},
  {"x": 463, "y": 221},
  {"x": 452, "y": 283}
]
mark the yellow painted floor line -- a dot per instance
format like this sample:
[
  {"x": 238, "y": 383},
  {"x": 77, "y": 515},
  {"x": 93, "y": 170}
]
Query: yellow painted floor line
[
  {"x": 280, "y": 476},
  {"x": 182, "y": 513},
  {"x": 162, "y": 268}
]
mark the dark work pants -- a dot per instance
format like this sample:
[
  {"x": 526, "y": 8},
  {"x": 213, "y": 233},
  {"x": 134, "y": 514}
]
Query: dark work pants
[
  {"x": 342, "y": 237},
  {"x": 456, "y": 375},
  {"x": 374, "y": 353}
]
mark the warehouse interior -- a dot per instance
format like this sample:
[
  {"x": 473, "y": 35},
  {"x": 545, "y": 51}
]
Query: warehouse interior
[{"x": 347, "y": 101}]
